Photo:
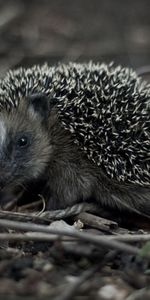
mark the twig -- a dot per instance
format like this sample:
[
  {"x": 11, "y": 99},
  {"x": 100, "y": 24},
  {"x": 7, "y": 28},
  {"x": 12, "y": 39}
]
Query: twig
[
  {"x": 30, "y": 206},
  {"x": 28, "y": 236},
  {"x": 96, "y": 222},
  {"x": 130, "y": 237},
  {"x": 32, "y": 236},
  {"x": 88, "y": 237},
  {"x": 22, "y": 216},
  {"x": 44, "y": 205}
]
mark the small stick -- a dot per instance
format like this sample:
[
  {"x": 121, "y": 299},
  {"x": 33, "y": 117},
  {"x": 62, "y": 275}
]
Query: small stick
[
  {"x": 96, "y": 222},
  {"x": 31, "y": 205},
  {"x": 130, "y": 237},
  {"x": 22, "y": 216},
  {"x": 28, "y": 236},
  {"x": 32, "y": 236}
]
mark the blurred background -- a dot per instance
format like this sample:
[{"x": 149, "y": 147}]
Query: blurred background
[{"x": 36, "y": 31}]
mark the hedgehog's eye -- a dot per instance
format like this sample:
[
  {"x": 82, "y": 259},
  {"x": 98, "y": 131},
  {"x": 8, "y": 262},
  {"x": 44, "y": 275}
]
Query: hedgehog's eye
[{"x": 22, "y": 142}]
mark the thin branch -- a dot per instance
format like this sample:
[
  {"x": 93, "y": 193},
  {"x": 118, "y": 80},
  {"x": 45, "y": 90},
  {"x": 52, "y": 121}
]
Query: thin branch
[
  {"x": 22, "y": 216},
  {"x": 28, "y": 236},
  {"x": 32, "y": 236},
  {"x": 97, "y": 222},
  {"x": 30, "y": 206},
  {"x": 130, "y": 237}
]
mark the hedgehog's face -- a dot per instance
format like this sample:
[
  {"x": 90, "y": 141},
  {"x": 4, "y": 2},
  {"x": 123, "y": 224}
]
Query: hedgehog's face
[{"x": 24, "y": 143}]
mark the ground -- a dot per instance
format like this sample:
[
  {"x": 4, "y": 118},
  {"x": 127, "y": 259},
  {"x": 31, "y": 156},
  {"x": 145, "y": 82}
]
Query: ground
[{"x": 34, "y": 32}]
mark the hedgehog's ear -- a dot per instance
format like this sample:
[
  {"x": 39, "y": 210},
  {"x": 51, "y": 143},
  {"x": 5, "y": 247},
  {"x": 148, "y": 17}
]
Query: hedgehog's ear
[{"x": 39, "y": 104}]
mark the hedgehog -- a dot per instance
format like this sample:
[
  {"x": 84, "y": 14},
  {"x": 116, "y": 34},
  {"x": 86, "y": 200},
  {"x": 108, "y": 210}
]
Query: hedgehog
[{"x": 80, "y": 132}]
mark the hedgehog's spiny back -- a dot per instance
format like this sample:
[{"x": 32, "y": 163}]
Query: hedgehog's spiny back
[{"x": 106, "y": 109}]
